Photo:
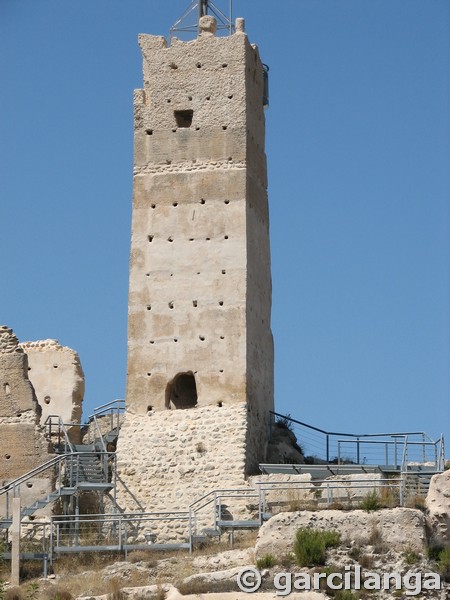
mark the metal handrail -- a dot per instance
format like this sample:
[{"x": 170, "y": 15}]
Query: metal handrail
[
  {"x": 105, "y": 408},
  {"x": 23, "y": 478},
  {"x": 61, "y": 429},
  {"x": 358, "y": 438},
  {"x": 216, "y": 496},
  {"x": 441, "y": 461},
  {"x": 401, "y": 434},
  {"x": 50, "y": 463},
  {"x": 114, "y": 408}
]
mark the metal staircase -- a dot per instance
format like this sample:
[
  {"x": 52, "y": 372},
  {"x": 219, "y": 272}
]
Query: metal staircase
[{"x": 76, "y": 467}]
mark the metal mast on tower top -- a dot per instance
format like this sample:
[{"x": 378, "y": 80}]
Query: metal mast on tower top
[{"x": 199, "y": 8}]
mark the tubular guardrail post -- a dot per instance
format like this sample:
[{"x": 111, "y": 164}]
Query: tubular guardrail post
[
  {"x": 260, "y": 512},
  {"x": 50, "y": 546},
  {"x": 190, "y": 530},
  {"x": 217, "y": 510},
  {"x": 395, "y": 452},
  {"x": 125, "y": 535},
  {"x": 357, "y": 452},
  {"x": 115, "y": 483},
  {"x": 339, "y": 452},
  {"x": 328, "y": 447}
]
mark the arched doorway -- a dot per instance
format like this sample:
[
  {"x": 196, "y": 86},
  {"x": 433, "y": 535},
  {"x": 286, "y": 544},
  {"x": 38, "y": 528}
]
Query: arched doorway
[{"x": 181, "y": 392}]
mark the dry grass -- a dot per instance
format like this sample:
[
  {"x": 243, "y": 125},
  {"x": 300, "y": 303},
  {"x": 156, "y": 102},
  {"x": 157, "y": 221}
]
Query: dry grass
[
  {"x": 415, "y": 501},
  {"x": 202, "y": 586},
  {"x": 69, "y": 564},
  {"x": 389, "y": 496},
  {"x": 375, "y": 539},
  {"x": 57, "y": 592},
  {"x": 366, "y": 561},
  {"x": 14, "y": 593},
  {"x": 115, "y": 586}
]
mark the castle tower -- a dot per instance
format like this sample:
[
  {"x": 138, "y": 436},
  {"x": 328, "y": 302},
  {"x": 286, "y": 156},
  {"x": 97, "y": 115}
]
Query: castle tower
[{"x": 199, "y": 335}]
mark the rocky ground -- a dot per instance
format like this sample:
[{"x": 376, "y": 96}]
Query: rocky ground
[
  {"x": 387, "y": 540},
  {"x": 289, "y": 550}
]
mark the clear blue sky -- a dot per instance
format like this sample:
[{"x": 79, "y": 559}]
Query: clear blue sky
[{"x": 358, "y": 153}]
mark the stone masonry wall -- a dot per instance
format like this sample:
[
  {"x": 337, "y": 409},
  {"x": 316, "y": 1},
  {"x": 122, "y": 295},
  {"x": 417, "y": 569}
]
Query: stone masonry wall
[
  {"x": 22, "y": 442},
  {"x": 166, "y": 460}
]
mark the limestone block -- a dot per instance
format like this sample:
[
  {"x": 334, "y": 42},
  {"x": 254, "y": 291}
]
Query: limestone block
[
  {"x": 438, "y": 507},
  {"x": 400, "y": 528},
  {"x": 57, "y": 377}
]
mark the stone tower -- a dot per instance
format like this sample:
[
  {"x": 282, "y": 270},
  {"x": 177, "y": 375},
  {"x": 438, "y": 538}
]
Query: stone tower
[{"x": 199, "y": 333}]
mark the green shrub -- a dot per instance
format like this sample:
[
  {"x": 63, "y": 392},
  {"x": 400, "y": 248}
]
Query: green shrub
[
  {"x": 202, "y": 586},
  {"x": 266, "y": 561},
  {"x": 410, "y": 557},
  {"x": 310, "y": 546},
  {"x": 345, "y": 595},
  {"x": 371, "y": 501},
  {"x": 444, "y": 563},
  {"x": 441, "y": 555}
]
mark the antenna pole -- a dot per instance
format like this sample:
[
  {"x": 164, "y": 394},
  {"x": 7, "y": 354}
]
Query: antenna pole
[{"x": 202, "y": 8}]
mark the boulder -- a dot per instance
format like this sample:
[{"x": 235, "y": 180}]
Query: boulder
[
  {"x": 438, "y": 508},
  {"x": 400, "y": 528}
]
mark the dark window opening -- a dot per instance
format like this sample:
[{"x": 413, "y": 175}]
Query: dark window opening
[
  {"x": 184, "y": 117},
  {"x": 181, "y": 392}
]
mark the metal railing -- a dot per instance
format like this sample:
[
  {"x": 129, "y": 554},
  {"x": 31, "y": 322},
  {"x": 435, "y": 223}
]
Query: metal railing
[
  {"x": 249, "y": 506},
  {"x": 57, "y": 428},
  {"x": 321, "y": 493},
  {"x": 214, "y": 502},
  {"x": 321, "y": 447},
  {"x": 112, "y": 410},
  {"x": 118, "y": 532}
]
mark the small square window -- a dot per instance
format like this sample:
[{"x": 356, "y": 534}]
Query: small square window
[{"x": 183, "y": 117}]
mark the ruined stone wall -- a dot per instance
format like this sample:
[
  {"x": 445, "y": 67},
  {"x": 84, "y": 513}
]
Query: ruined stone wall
[
  {"x": 58, "y": 380},
  {"x": 22, "y": 442}
]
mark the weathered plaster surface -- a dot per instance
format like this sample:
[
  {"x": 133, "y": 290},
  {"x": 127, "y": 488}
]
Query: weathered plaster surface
[{"x": 58, "y": 380}]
